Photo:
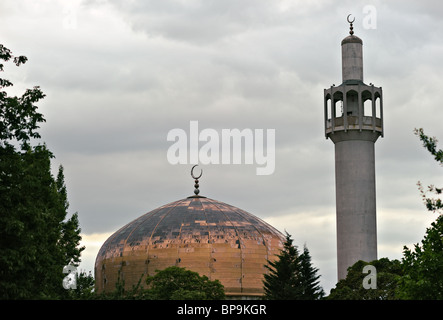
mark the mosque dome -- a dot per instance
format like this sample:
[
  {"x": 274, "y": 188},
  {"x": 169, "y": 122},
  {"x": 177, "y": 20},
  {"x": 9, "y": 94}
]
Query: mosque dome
[{"x": 200, "y": 234}]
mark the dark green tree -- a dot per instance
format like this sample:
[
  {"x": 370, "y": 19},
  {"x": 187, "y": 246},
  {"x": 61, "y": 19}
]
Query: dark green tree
[
  {"x": 174, "y": 283},
  {"x": 137, "y": 292},
  {"x": 84, "y": 287},
  {"x": 388, "y": 273},
  {"x": 423, "y": 265},
  {"x": 281, "y": 283},
  {"x": 36, "y": 238},
  {"x": 291, "y": 276},
  {"x": 18, "y": 115},
  {"x": 430, "y": 143},
  {"x": 309, "y": 279}
]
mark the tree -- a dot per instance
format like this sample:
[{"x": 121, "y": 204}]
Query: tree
[
  {"x": 310, "y": 284},
  {"x": 432, "y": 204},
  {"x": 37, "y": 239},
  {"x": 282, "y": 283},
  {"x": 18, "y": 115},
  {"x": 174, "y": 283},
  {"x": 84, "y": 287},
  {"x": 388, "y": 273},
  {"x": 291, "y": 276},
  {"x": 423, "y": 265},
  {"x": 137, "y": 292}
]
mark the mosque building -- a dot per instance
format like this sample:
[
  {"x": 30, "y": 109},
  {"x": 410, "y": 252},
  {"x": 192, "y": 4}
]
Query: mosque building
[
  {"x": 198, "y": 233},
  {"x": 229, "y": 244}
]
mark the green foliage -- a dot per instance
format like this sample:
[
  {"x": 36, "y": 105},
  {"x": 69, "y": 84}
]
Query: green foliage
[
  {"x": 423, "y": 265},
  {"x": 430, "y": 143},
  {"x": 84, "y": 287},
  {"x": 281, "y": 283},
  {"x": 432, "y": 204},
  {"x": 18, "y": 115},
  {"x": 120, "y": 293},
  {"x": 309, "y": 280},
  {"x": 351, "y": 288},
  {"x": 174, "y": 283},
  {"x": 291, "y": 276},
  {"x": 37, "y": 239}
]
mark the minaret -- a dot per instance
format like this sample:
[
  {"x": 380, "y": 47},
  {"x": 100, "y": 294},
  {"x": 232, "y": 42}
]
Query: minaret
[{"x": 354, "y": 121}]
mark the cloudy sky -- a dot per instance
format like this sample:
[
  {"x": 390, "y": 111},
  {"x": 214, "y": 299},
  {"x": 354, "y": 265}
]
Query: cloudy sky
[{"x": 119, "y": 75}]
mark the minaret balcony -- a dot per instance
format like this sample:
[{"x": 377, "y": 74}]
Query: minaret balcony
[
  {"x": 353, "y": 105},
  {"x": 367, "y": 123}
]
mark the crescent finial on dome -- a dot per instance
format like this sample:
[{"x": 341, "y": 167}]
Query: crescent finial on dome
[{"x": 196, "y": 185}]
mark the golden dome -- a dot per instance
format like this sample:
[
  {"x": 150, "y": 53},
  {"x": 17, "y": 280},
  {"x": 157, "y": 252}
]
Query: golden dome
[{"x": 203, "y": 235}]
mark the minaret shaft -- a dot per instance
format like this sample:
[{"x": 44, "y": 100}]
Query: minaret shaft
[{"x": 355, "y": 202}]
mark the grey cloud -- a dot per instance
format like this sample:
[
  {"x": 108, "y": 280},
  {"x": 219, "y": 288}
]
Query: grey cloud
[{"x": 195, "y": 21}]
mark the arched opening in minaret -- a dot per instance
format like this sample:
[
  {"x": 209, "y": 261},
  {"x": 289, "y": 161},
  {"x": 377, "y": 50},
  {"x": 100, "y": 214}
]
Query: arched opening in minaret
[
  {"x": 328, "y": 109},
  {"x": 367, "y": 103},
  {"x": 338, "y": 108},
  {"x": 377, "y": 106},
  {"x": 338, "y": 104},
  {"x": 367, "y": 108},
  {"x": 352, "y": 103}
]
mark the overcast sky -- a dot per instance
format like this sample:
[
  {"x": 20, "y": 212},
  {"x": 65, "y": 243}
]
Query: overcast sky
[{"x": 119, "y": 75}]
